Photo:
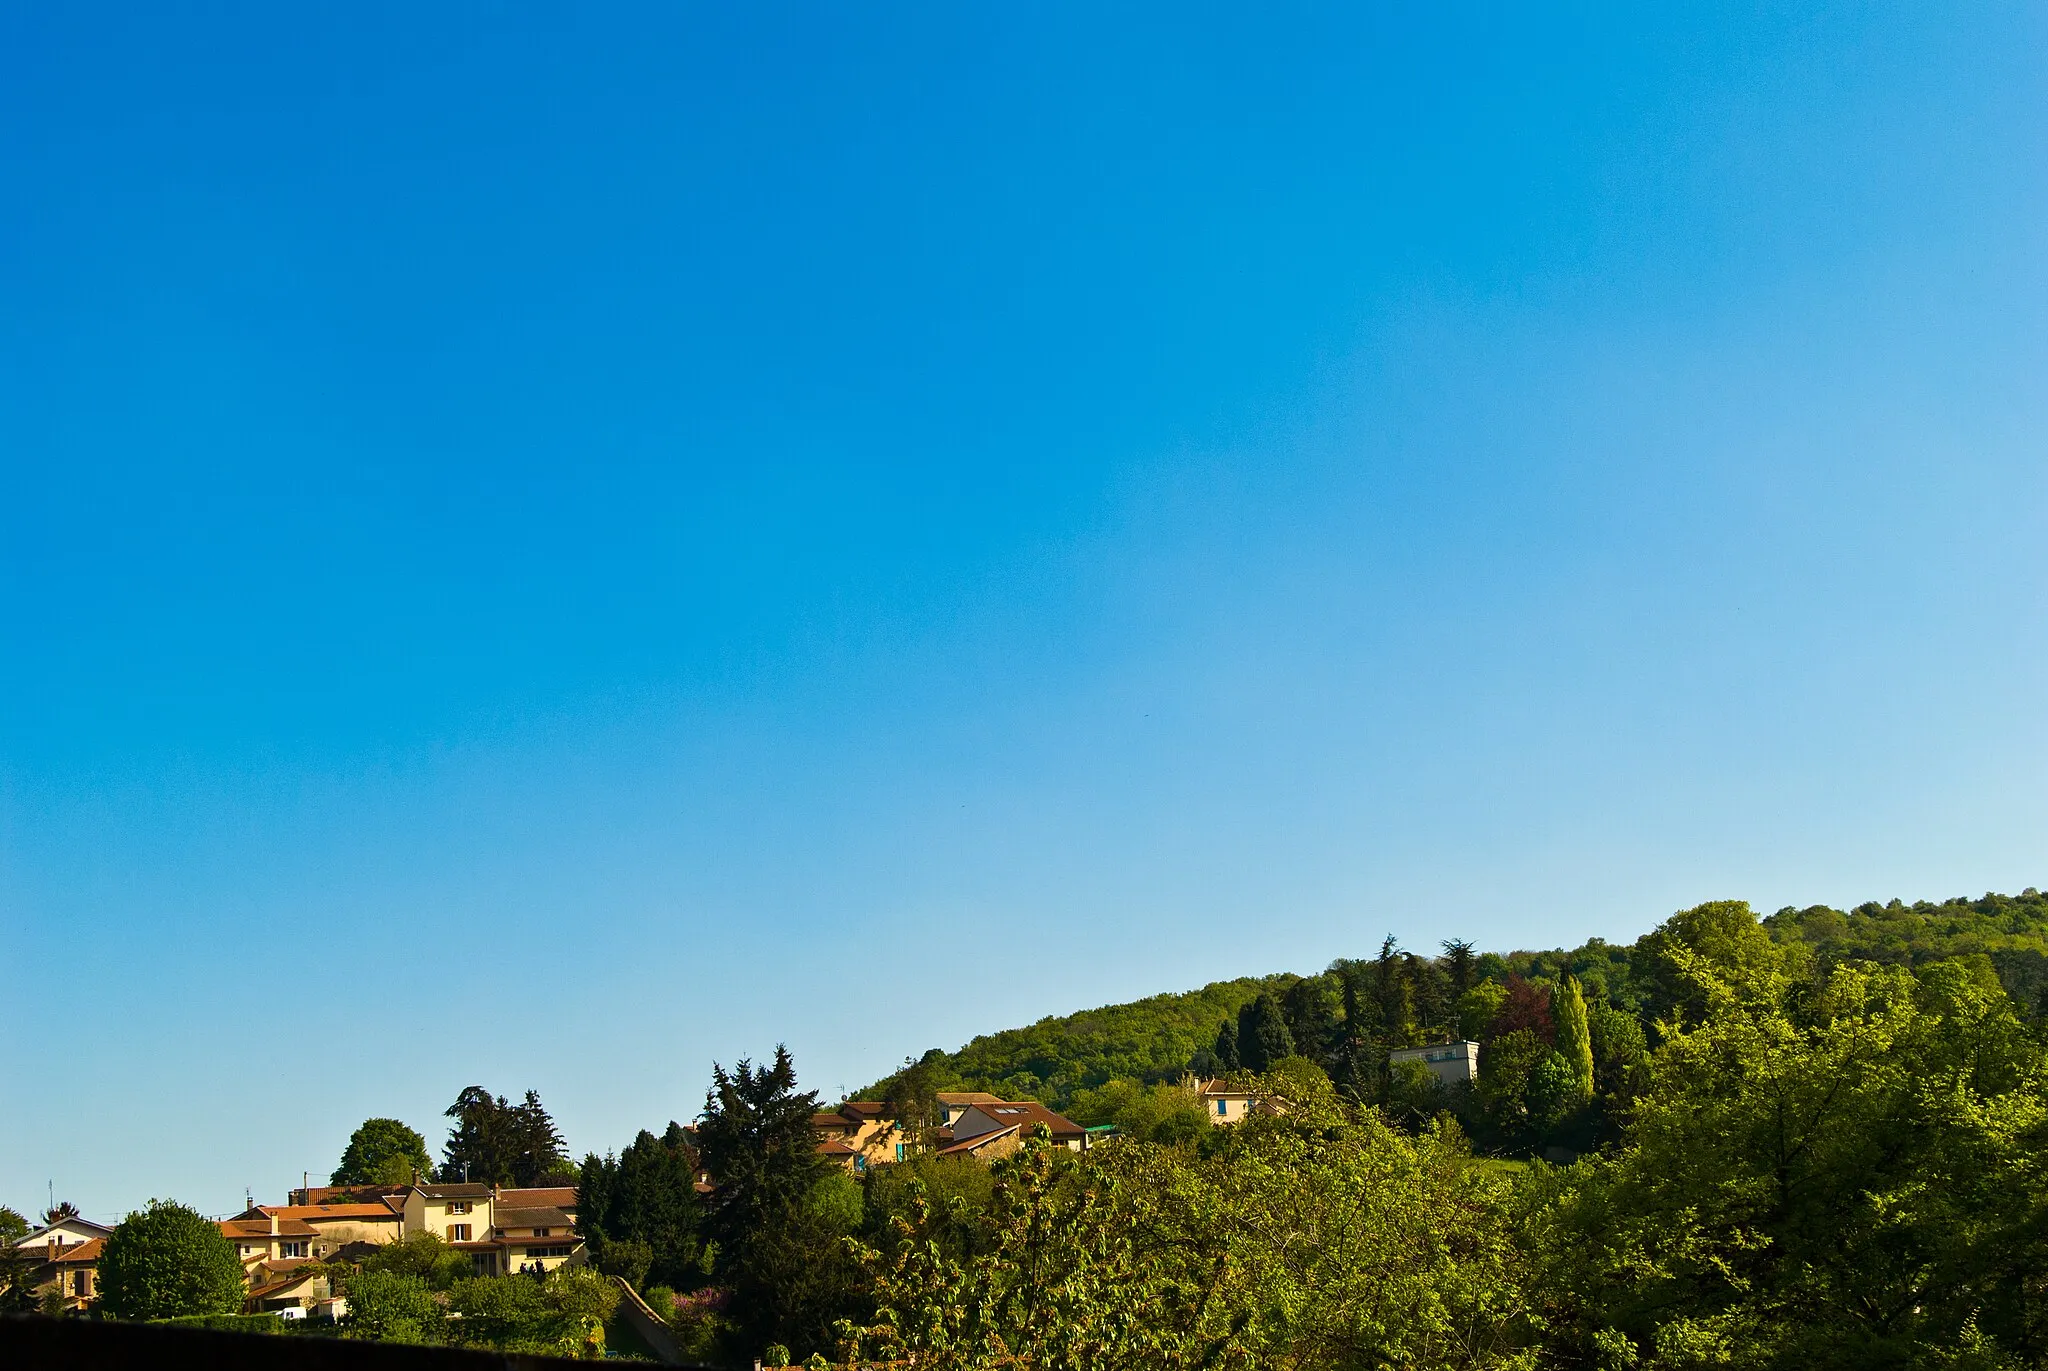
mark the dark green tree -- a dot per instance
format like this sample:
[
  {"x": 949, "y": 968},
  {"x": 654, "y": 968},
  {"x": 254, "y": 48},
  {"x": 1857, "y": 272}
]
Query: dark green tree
[
  {"x": 495, "y": 1142},
  {"x": 1459, "y": 965},
  {"x": 1310, "y": 1011},
  {"x": 1262, "y": 1036},
  {"x": 1226, "y": 1046},
  {"x": 382, "y": 1152},
  {"x": 1394, "y": 994},
  {"x": 782, "y": 1257},
  {"x": 646, "y": 1196},
  {"x": 165, "y": 1262}
]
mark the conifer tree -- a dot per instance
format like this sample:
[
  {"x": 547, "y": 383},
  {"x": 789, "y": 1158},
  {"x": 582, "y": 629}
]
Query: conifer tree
[
  {"x": 1574, "y": 1035},
  {"x": 1226, "y": 1046},
  {"x": 1458, "y": 964},
  {"x": 1262, "y": 1036}
]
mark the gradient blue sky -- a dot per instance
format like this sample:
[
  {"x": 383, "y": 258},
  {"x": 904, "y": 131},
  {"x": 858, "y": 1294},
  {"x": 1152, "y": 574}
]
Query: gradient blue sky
[{"x": 546, "y": 550}]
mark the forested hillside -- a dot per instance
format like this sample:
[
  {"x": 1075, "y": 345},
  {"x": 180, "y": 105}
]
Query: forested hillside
[{"x": 1161, "y": 1038}]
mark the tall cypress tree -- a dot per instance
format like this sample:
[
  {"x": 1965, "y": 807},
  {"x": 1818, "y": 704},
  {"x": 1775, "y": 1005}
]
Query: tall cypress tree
[
  {"x": 1262, "y": 1036},
  {"x": 1574, "y": 1033},
  {"x": 1226, "y": 1046}
]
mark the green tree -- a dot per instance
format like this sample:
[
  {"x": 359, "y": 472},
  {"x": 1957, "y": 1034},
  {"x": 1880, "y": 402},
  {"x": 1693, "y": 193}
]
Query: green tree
[
  {"x": 1316, "y": 1240},
  {"x": 1226, "y": 1046},
  {"x": 1478, "y": 1008},
  {"x": 1262, "y": 1035},
  {"x": 422, "y": 1257},
  {"x": 1309, "y": 1009},
  {"x": 382, "y": 1152},
  {"x": 495, "y": 1142},
  {"x": 1574, "y": 1034},
  {"x": 165, "y": 1262},
  {"x": 13, "y": 1226},
  {"x": 647, "y": 1195},
  {"x": 1837, "y": 1171},
  {"x": 783, "y": 1257},
  {"x": 1459, "y": 966},
  {"x": 387, "y": 1306}
]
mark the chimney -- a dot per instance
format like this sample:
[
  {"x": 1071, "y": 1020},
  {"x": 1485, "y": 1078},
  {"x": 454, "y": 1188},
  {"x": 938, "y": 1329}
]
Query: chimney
[{"x": 273, "y": 1223}]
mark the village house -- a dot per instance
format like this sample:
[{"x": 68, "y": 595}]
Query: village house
[
  {"x": 860, "y": 1134},
  {"x": 66, "y": 1256},
  {"x": 1451, "y": 1063},
  {"x": 954, "y": 1103},
  {"x": 504, "y": 1230},
  {"x": 989, "y": 1129},
  {"x": 1224, "y": 1102}
]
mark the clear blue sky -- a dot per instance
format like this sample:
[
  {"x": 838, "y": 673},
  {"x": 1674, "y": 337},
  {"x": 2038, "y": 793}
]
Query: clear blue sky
[{"x": 548, "y": 550}]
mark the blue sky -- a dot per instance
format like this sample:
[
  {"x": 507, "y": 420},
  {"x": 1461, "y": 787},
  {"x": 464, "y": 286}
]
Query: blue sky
[{"x": 548, "y": 550}]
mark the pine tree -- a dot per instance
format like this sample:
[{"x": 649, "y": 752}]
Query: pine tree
[
  {"x": 1574, "y": 1035},
  {"x": 1262, "y": 1036},
  {"x": 1226, "y": 1046},
  {"x": 1459, "y": 964},
  {"x": 1312, "y": 1020}
]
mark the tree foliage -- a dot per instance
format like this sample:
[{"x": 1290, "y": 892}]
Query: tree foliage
[
  {"x": 495, "y": 1142},
  {"x": 166, "y": 1261},
  {"x": 382, "y": 1152},
  {"x": 646, "y": 1196}
]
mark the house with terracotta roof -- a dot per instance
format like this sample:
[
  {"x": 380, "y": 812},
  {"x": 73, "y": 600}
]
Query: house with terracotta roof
[
  {"x": 954, "y": 1103},
  {"x": 503, "y": 1230},
  {"x": 860, "y": 1134},
  {"x": 995, "y": 1128},
  {"x": 1224, "y": 1102},
  {"x": 336, "y": 1226},
  {"x": 71, "y": 1270},
  {"x": 269, "y": 1244}
]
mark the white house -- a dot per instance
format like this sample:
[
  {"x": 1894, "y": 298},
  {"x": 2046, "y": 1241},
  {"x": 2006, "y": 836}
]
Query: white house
[{"x": 1451, "y": 1063}]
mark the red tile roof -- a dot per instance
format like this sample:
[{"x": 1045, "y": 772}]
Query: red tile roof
[
  {"x": 84, "y": 1253},
  {"x": 539, "y": 1196},
  {"x": 1022, "y": 1113},
  {"x": 245, "y": 1230}
]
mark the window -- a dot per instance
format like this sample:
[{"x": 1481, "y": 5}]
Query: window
[
  {"x": 560, "y": 1250},
  {"x": 899, "y": 1152},
  {"x": 245, "y": 1249},
  {"x": 458, "y": 1206},
  {"x": 1223, "y": 1106},
  {"x": 458, "y": 1232},
  {"x": 540, "y": 1232},
  {"x": 291, "y": 1249}
]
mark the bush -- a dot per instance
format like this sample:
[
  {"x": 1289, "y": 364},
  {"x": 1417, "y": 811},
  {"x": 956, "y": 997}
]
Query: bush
[
  {"x": 385, "y": 1306},
  {"x": 425, "y": 1258},
  {"x": 166, "y": 1261}
]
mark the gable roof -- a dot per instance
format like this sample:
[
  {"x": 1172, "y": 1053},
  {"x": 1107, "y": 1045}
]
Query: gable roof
[
  {"x": 317, "y": 1213},
  {"x": 41, "y": 1237},
  {"x": 246, "y": 1230},
  {"x": 347, "y": 1194},
  {"x": 967, "y": 1097},
  {"x": 534, "y": 1196},
  {"x": 980, "y": 1140},
  {"x": 540, "y": 1216},
  {"x": 82, "y": 1254},
  {"x": 460, "y": 1190},
  {"x": 984, "y": 1117}
]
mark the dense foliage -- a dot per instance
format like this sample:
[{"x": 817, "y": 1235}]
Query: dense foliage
[
  {"x": 166, "y": 1261},
  {"x": 383, "y": 1152},
  {"x": 495, "y": 1142}
]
